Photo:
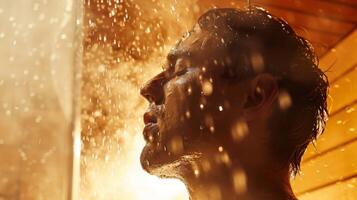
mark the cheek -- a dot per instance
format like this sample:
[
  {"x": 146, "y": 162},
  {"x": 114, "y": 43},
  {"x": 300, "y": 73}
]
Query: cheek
[
  {"x": 182, "y": 92},
  {"x": 182, "y": 97}
]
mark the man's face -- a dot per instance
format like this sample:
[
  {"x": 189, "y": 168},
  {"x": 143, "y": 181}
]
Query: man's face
[{"x": 192, "y": 108}]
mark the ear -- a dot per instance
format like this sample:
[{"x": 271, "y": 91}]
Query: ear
[{"x": 262, "y": 92}]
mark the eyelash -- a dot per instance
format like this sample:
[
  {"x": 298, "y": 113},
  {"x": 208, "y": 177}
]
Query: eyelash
[{"x": 180, "y": 73}]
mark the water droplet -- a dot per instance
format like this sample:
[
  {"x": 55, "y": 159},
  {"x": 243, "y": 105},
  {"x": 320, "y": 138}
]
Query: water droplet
[
  {"x": 101, "y": 68},
  {"x": 41, "y": 17},
  {"x": 350, "y": 110},
  {"x": 38, "y": 119},
  {"x": 206, "y": 165},
  {"x": 196, "y": 172},
  {"x": 97, "y": 113},
  {"x": 239, "y": 181},
  {"x": 63, "y": 36},
  {"x": 225, "y": 159},
  {"x": 23, "y": 155},
  {"x": 207, "y": 88},
  {"x": 188, "y": 114},
  {"x": 239, "y": 130},
  {"x": 189, "y": 90},
  {"x": 284, "y": 100},
  {"x": 176, "y": 145},
  {"x": 350, "y": 186},
  {"x": 36, "y": 6}
]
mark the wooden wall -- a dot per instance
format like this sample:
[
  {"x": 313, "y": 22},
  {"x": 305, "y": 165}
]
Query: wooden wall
[
  {"x": 329, "y": 170},
  {"x": 323, "y": 22}
]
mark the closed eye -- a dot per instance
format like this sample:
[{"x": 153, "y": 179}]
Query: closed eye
[{"x": 180, "y": 73}]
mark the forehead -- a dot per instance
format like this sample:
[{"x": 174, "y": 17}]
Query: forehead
[{"x": 198, "y": 45}]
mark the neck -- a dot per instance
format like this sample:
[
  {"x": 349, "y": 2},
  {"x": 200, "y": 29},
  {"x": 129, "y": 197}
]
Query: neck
[{"x": 232, "y": 180}]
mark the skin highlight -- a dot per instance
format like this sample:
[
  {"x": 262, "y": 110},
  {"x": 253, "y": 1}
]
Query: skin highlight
[{"x": 211, "y": 132}]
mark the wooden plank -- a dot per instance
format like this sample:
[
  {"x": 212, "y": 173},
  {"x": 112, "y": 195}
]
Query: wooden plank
[
  {"x": 320, "y": 49},
  {"x": 343, "y": 91},
  {"x": 208, "y": 4},
  {"x": 328, "y": 168},
  {"x": 322, "y": 40},
  {"x": 297, "y": 18},
  {"x": 341, "y": 58},
  {"x": 340, "y": 129},
  {"x": 352, "y": 3},
  {"x": 346, "y": 190},
  {"x": 317, "y": 8},
  {"x": 309, "y": 21},
  {"x": 318, "y": 37}
]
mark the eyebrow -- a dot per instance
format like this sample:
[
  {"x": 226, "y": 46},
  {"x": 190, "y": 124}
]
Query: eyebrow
[{"x": 173, "y": 56}]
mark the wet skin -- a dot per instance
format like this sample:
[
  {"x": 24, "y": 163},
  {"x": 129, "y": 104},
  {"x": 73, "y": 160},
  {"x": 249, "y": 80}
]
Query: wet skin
[
  {"x": 192, "y": 108},
  {"x": 194, "y": 111}
]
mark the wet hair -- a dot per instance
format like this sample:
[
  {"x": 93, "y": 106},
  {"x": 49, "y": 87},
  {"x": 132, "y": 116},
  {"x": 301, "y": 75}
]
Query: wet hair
[{"x": 258, "y": 42}]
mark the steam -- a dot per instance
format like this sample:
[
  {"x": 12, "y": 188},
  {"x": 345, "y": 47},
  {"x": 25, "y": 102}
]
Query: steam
[
  {"x": 36, "y": 75},
  {"x": 126, "y": 43}
]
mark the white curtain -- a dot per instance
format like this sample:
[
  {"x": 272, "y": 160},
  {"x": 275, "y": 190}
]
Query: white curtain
[{"x": 39, "y": 54}]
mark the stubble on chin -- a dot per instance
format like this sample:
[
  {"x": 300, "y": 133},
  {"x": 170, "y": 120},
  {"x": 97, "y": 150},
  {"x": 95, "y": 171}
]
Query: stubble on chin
[{"x": 169, "y": 166}]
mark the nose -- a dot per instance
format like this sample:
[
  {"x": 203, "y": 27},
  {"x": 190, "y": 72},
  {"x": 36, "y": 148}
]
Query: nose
[{"x": 153, "y": 90}]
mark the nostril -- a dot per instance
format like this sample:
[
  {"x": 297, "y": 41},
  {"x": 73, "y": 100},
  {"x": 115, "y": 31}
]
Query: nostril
[
  {"x": 148, "y": 97},
  {"x": 153, "y": 95},
  {"x": 153, "y": 90},
  {"x": 145, "y": 93}
]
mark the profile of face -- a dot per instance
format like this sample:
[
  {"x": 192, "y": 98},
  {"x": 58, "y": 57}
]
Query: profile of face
[
  {"x": 194, "y": 108},
  {"x": 241, "y": 92}
]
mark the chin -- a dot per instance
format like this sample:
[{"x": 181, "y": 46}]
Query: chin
[
  {"x": 157, "y": 162},
  {"x": 152, "y": 158}
]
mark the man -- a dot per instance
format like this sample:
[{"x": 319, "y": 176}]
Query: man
[{"x": 238, "y": 102}]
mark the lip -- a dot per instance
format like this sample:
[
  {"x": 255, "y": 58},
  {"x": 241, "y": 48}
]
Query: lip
[
  {"x": 151, "y": 132},
  {"x": 149, "y": 117}
]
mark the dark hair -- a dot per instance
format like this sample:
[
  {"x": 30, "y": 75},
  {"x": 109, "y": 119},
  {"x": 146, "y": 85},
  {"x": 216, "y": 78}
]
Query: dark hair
[{"x": 258, "y": 42}]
